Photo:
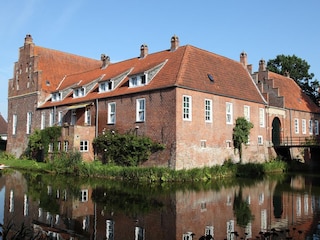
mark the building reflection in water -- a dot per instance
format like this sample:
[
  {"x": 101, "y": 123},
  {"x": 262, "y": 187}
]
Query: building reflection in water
[{"x": 270, "y": 208}]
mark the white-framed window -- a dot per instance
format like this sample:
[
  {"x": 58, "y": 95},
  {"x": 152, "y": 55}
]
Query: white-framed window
[
  {"x": 106, "y": 86},
  {"x": 56, "y": 97},
  {"x": 208, "y": 110},
  {"x": 50, "y": 149},
  {"x": 203, "y": 143},
  {"x": 112, "y": 113},
  {"x": 65, "y": 146},
  {"x": 229, "y": 113},
  {"x": 43, "y": 121},
  {"x": 59, "y": 146},
  {"x": 110, "y": 229},
  {"x": 138, "y": 80},
  {"x": 140, "y": 110},
  {"x": 260, "y": 140},
  {"x": 84, "y": 146},
  {"x": 261, "y": 117},
  {"x": 79, "y": 92},
  {"x": 60, "y": 118},
  {"x": 228, "y": 143},
  {"x": 316, "y": 127},
  {"x": 73, "y": 117},
  {"x": 14, "y": 124},
  {"x": 187, "y": 108},
  {"x": 296, "y": 125},
  {"x": 84, "y": 195},
  {"x": 310, "y": 127},
  {"x": 304, "y": 126},
  {"x": 87, "y": 116},
  {"x": 29, "y": 122},
  {"x": 246, "y": 112},
  {"x": 139, "y": 233},
  {"x": 51, "y": 118}
]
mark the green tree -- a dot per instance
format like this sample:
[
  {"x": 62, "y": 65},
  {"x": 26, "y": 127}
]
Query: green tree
[
  {"x": 241, "y": 133},
  {"x": 298, "y": 69}
]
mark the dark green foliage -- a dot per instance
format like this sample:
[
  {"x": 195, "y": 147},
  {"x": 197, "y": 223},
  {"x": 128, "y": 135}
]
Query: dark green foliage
[
  {"x": 125, "y": 149},
  {"x": 242, "y": 210},
  {"x": 241, "y": 133},
  {"x": 67, "y": 163},
  {"x": 299, "y": 72},
  {"x": 39, "y": 142}
]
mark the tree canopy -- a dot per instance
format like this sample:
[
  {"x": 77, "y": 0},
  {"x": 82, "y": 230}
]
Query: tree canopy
[
  {"x": 241, "y": 133},
  {"x": 298, "y": 70}
]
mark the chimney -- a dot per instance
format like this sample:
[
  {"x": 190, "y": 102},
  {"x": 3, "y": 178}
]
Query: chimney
[
  {"x": 174, "y": 43},
  {"x": 262, "y": 65},
  {"x": 105, "y": 61},
  {"x": 286, "y": 73},
  {"x": 244, "y": 59},
  {"x": 28, "y": 39},
  {"x": 143, "y": 51}
]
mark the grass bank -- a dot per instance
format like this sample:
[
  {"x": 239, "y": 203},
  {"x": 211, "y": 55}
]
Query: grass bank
[{"x": 149, "y": 174}]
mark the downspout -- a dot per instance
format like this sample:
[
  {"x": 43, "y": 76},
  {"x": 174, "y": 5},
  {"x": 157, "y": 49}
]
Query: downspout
[{"x": 97, "y": 118}]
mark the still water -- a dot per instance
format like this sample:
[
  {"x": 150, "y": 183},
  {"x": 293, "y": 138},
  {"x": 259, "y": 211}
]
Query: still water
[{"x": 57, "y": 207}]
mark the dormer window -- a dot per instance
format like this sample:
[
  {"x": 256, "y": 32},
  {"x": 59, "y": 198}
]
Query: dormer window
[
  {"x": 56, "y": 97},
  {"x": 106, "y": 86},
  {"x": 79, "y": 92},
  {"x": 138, "y": 80}
]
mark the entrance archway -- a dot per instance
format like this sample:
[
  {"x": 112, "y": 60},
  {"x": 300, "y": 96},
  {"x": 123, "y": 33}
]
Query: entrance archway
[{"x": 276, "y": 128}]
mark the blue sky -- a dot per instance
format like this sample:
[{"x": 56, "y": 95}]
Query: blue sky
[{"x": 263, "y": 29}]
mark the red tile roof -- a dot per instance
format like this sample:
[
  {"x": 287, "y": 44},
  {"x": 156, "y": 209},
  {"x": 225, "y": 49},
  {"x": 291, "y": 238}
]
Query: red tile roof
[
  {"x": 187, "y": 67},
  {"x": 54, "y": 65},
  {"x": 294, "y": 97}
]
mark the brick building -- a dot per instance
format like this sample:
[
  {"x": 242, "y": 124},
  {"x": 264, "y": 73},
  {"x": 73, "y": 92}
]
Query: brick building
[{"x": 184, "y": 97}]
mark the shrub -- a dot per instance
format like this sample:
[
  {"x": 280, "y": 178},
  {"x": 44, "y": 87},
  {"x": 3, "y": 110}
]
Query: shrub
[{"x": 125, "y": 149}]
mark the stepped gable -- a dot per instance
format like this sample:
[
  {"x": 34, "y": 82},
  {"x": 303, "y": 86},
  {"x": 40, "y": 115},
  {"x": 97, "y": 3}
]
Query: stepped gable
[
  {"x": 54, "y": 65},
  {"x": 294, "y": 97}
]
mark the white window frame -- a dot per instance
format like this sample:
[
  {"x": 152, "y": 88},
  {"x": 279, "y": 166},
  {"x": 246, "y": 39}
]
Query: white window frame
[
  {"x": 140, "y": 110},
  {"x": 43, "y": 121},
  {"x": 87, "y": 116},
  {"x": 208, "y": 110},
  {"x": 73, "y": 119},
  {"x": 304, "y": 126},
  {"x": 310, "y": 127},
  {"x": 84, "y": 146},
  {"x": 260, "y": 140},
  {"x": 84, "y": 195},
  {"x": 229, "y": 113},
  {"x": 111, "y": 113},
  {"x": 106, "y": 86},
  {"x": 79, "y": 92},
  {"x": 65, "y": 146},
  {"x": 14, "y": 124},
  {"x": 186, "y": 108},
  {"x": 60, "y": 118},
  {"x": 138, "y": 80},
  {"x": 296, "y": 126},
  {"x": 51, "y": 118},
  {"x": 246, "y": 112},
  {"x": 316, "y": 127},
  {"x": 56, "y": 97},
  {"x": 29, "y": 122},
  {"x": 50, "y": 147},
  {"x": 262, "y": 121}
]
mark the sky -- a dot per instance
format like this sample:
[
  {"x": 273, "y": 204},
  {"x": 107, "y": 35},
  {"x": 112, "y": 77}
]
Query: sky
[{"x": 262, "y": 29}]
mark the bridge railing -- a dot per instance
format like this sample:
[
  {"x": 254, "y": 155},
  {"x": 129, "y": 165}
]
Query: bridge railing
[{"x": 299, "y": 141}]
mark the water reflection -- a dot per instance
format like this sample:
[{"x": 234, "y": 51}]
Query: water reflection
[{"x": 70, "y": 208}]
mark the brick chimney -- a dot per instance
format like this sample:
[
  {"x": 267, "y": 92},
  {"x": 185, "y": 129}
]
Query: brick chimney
[
  {"x": 262, "y": 65},
  {"x": 143, "y": 51},
  {"x": 105, "y": 61},
  {"x": 28, "y": 39},
  {"x": 174, "y": 43},
  {"x": 244, "y": 59}
]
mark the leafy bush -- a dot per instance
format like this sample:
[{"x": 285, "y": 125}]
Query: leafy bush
[{"x": 125, "y": 149}]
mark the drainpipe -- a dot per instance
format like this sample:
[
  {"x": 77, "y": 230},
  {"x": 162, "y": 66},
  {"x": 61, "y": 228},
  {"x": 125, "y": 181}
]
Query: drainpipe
[
  {"x": 290, "y": 126},
  {"x": 97, "y": 118}
]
